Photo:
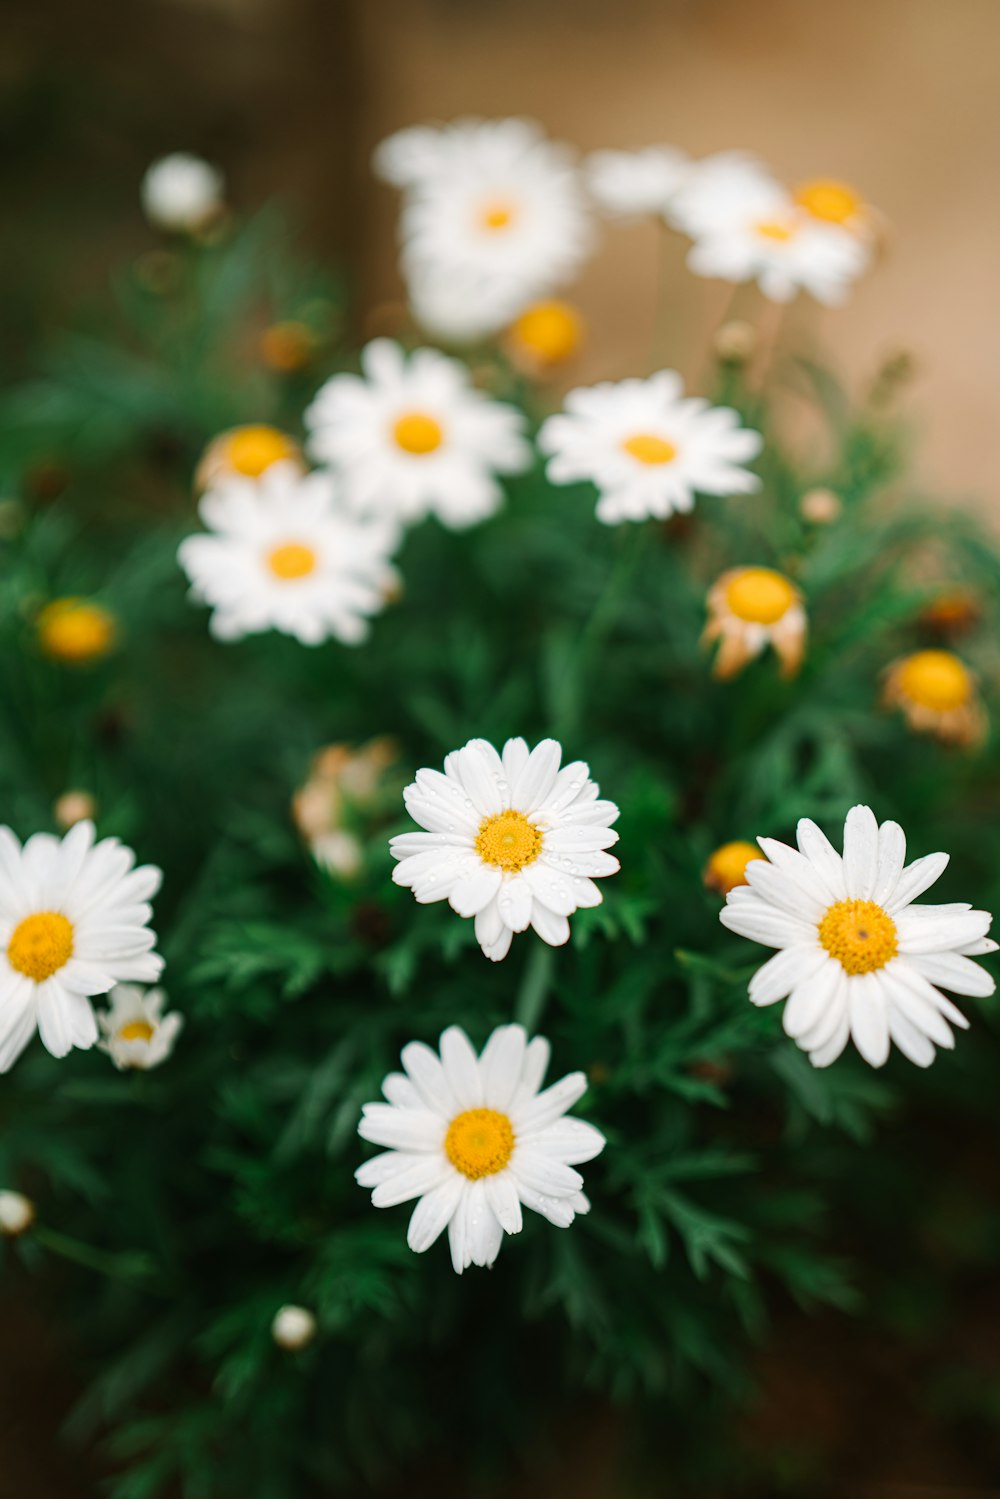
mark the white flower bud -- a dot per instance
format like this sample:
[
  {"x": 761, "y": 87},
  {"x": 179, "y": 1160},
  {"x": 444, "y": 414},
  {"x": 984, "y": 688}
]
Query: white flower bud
[
  {"x": 293, "y": 1328},
  {"x": 17, "y": 1214},
  {"x": 181, "y": 192}
]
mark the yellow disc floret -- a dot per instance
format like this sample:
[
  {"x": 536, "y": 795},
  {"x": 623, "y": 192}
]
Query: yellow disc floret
[
  {"x": 548, "y": 332},
  {"x": 937, "y": 680},
  {"x": 860, "y": 935},
  {"x": 508, "y": 841},
  {"x": 825, "y": 198},
  {"x": 136, "y": 1030},
  {"x": 417, "y": 433},
  {"x": 647, "y": 447},
  {"x": 759, "y": 595},
  {"x": 251, "y": 450},
  {"x": 776, "y": 230},
  {"x": 479, "y": 1142},
  {"x": 496, "y": 214},
  {"x": 291, "y": 560},
  {"x": 75, "y": 630},
  {"x": 40, "y": 945},
  {"x": 727, "y": 867}
]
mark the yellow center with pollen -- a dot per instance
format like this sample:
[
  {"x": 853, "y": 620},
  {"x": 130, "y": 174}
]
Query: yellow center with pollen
[
  {"x": 550, "y": 332},
  {"x": 646, "y": 447},
  {"x": 417, "y": 433},
  {"x": 76, "y": 631},
  {"x": 727, "y": 867},
  {"x": 759, "y": 596},
  {"x": 291, "y": 560},
  {"x": 40, "y": 945},
  {"x": 479, "y": 1142},
  {"x": 508, "y": 841},
  {"x": 497, "y": 214},
  {"x": 824, "y": 198},
  {"x": 860, "y": 935},
  {"x": 252, "y": 450},
  {"x": 136, "y": 1030},
  {"x": 935, "y": 679},
  {"x": 775, "y": 230}
]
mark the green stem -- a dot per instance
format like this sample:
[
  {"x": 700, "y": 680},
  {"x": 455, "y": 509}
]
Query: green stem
[
  {"x": 535, "y": 984},
  {"x": 601, "y": 620},
  {"x": 129, "y": 1267}
]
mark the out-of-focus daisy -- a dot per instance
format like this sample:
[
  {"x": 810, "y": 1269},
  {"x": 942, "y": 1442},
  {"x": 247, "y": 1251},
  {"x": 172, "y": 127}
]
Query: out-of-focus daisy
[
  {"x": 727, "y": 866},
  {"x": 937, "y": 694},
  {"x": 246, "y": 452},
  {"x": 281, "y": 554},
  {"x": 457, "y": 311},
  {"x": 647, "y": 448},
  {"x": 74, "y": 921},
  {"x": 412, "y": 155},
  {"x": 719, "y": 190},
  {"x": 750, "y": 608},
  {"x": 411, "y": 436},
  {"x": 182, "y": 193},
  {"x": 474, "y": 1140},
  {"x": 859, "y": 957},
  {"x": 636, "y": 184},
  {"x": 495, "y": 205},
  {"x": 17, "y": 1214},
  {"x": 833, "y": 202},
  {"x": 545, "y": 335},
  {"x": 346, "y": 787},
  {"x": 76, "y": 631},
  {"x": 783, "y": 248},
  {"x": 510, "y": 839},
  {"x": 135, "y": 1031}
]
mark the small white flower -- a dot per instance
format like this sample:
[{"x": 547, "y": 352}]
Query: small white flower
[
  {"x": 293, "y": 1328},
  {"x": 74, "y": 921},
  {"x": 282, "y": 555},
  {"x": 474, "y": 1140},
  {"x": 636, "y": 184},
  {"x": 411, "y": 436},
  {"x": 492, "y": 204},
  {"x": 136, "y": 1032},
  {"x": 647, "y": 448},
  {"x": 859, "y": 958},
  {"x": 17, "y": 1214},
  {"x": 511, "y": 840},
  {"x": 458, "y": 310},
  {"x": 720, "y": 189},
  {"x": 181, "y": 192}
]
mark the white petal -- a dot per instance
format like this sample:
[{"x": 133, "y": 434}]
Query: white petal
[
  {"x": 821, "y": 854},
  {"x": 403, "y": 1129},
  {"x": 934, "y": 929},
  {"x": 915, "y": 879},
  {"x": 551, "y": 928},
  {"x": 545, "y": 1108},
  {"x": 514, "y": 903},
  {"x": 861, "y": 847},
  {"x": 830, "y": 1050},
  {"x": 751, "y": 917},
  {"x": 551, "y": 887},
  {"x": 433, "y": 1213},
  {"x": 461, "y": 1068},
  {"x": 390, "y": 1163},
  {"x": 869, "y": 1017},
  {"x": 501, "y": 1194},
  {"x": 571, "y": 1140},
  {"x": 424, "y": 1068},
  {"x": 812, "y": 998},
  {"x": 501, "y": 1063},
  {"x": 891, "y": 855},
  {"x": 911, "y": 1041},
  {"x": 537, "y": 777},
  {"x": 954, "y": 972},
  {"x": 782, "y": 973},
  {"x": 426, "y": 1173},
  {"x": 473, "y": 892}
]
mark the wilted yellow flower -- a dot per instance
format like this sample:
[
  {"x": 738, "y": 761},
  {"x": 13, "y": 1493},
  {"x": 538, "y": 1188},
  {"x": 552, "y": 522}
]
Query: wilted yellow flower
[
  {"x": 954, "y": 612},
  {"x": 76, "y": 631},
  {"x": 750, "y": 608},
  {"x": 73, "y": 807},
  {"x": 727, "y": 867},
  {"x": 344, "y": 788},
  {"x": 248, "y": 451},
  {"x": 937, "y": 694},
  {"x": 546, "y": 334},
  {"x": 287, "y": 347}
]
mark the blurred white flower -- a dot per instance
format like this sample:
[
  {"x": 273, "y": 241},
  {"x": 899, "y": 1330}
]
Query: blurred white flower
[
  {"x": 511, "y": 840},
  {"x": 473, "y": 1140},
  {"x": 647, "y": 448},
  {"x": 293, "y": 1328},
  {"x": 720, "y": 189},
  {"x": 181, "y": 192},
  {"x": 17, "y": 1214},
  {"x": 636, "y": 184},
  {"x": 136, "y": 1033},
  {"x": 281, "y": 554},
  {"x": 411, "y": 436},
  {"x": 462, "y": 310},
  {"x": 858, "y": 957}
]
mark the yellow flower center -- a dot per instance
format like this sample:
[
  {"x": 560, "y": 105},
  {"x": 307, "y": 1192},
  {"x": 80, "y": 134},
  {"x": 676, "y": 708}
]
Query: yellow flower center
[
  {"x": 759, "y": 596},
  {"x": 479, "y": 1142},
  {"x": 509, "y": 841},
  {"x": 292, "y": 560},
  {"x": 727, "y": 867},
  {"x": 76, "y": 631},
  {"x": 935, "y": 679},
  {"x": 549, "y": 331},
  {"x": 251, "y": 450},
  {"x": 648, "y": 448},
  {"x": 40, "y": 945},
  {"x": 776, "y": 230},
  {"x": 136, "y": 1030},
  {"x": 859, "y": 934},
  {"x": 824, "y": 198},
  {"x": 496, "y": 214},
  {"x": 418, "y": 433}
]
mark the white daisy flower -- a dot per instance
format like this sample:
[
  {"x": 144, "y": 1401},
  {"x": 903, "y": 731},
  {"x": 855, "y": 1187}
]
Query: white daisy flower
[
  {"x": 474, "y": 1140},
  {"x": 511, "y": 840},
  {"x": 411, "y": 436},
  {"x": 749, "y": 609},
  {"x": 136, "y": 1033},
  {"x": 720, "y": 189},
  {"x": 782, "y": 247},
  {"x": 636, "y": 184},
  {"x": 494, "y": 205},
  {"x": 647, "y": 448},
  {"x": 459, "y": 310},
  {"x": 74, "y": 921},
  {"x": 282, "y": 555},
  {"x": 860, "y": 958},
  {"x": 181, "y": 192}
]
